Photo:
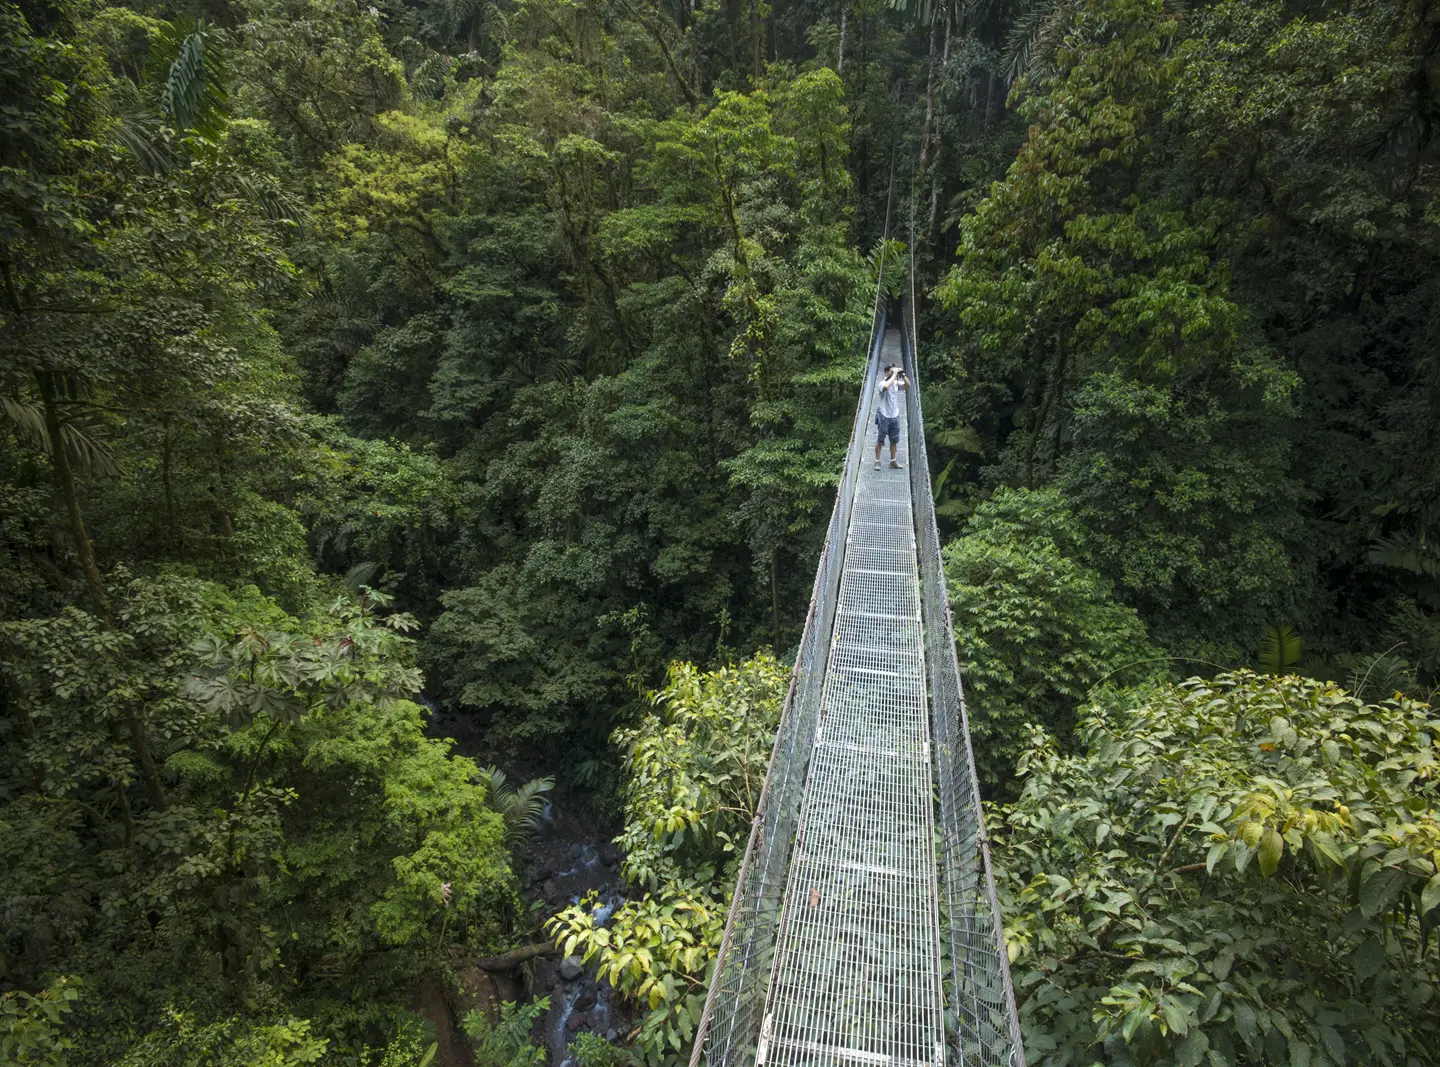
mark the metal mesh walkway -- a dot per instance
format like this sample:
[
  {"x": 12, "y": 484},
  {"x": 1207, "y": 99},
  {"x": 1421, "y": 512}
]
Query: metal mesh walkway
[
  {"x": 857, "y": 974},
  {"x": 864, "y": 928}
]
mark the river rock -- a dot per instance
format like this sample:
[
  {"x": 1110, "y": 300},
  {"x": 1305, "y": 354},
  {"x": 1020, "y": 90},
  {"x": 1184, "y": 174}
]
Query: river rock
[
  {"x": 610, "y": 854},
  {"x": 585, "y": 1001},
  {"x": 550, "y": 891},
  {"x": 571, "y": 968}
]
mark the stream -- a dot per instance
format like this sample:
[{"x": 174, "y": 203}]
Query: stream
[
  {"x": 563, "y": 871},
  {"x": 569, "y": 856}
]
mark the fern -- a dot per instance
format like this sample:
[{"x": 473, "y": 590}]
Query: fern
[
  {"x": 520, "y": 808},
  {"x": 1384, "y": 675},
  {"x": 506, "y": 1042},
  {"x": 1279, "y": 648}
]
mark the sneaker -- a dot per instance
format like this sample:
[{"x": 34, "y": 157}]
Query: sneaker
[
  {"x": 877, "y": 464},
  {"x": 896, "y": 464}
]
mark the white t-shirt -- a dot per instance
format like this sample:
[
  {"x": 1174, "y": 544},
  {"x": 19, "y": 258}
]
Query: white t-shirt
[{"x": 889, "y": 404}]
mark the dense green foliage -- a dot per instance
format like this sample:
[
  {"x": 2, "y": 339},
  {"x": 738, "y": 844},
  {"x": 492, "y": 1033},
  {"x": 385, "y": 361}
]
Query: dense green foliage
[
  {"x": 305, "y": 827},
  {"x": 693, "y": 773},
  {"x": 1192, "y": 348},
  {"x": 358, "y": 361},
  {"x": 1036, "y": 629},
  {"x": 1197, "y": 305},
  {"x": 302, "y": 312},
  {"x": 1242, "y": 867}
]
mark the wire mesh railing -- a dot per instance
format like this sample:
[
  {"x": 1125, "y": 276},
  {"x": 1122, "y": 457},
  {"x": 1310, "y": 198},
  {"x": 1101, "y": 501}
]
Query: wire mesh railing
[
  {"x": 980, "y": 1001},
  {"x": 729, "y": 1032}
]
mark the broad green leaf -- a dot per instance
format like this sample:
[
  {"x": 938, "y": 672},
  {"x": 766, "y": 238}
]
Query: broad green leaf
[
  {"x": 1430, "y": 895},
  {"x": 1224, "y": 960},
  {"x": 1380, "y": 891},
  {"x": 1325, "y": 845},
  {"x": 1215, "y": 855},
  {"x": 1245, "y": 1023},
  {"x": 1368, "y": 959},
  {"x": 1175, "y": 1017},
  {"x": 1272, "y": 845},
  {"x": 1190, "y": 1052},
  {"x": 1334, "y": 1044},
  {"x": 1280, "y": 648}
]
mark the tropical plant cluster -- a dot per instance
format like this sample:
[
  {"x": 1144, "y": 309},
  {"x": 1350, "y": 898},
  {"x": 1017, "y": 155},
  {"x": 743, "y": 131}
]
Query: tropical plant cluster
[
  {"x": 362, "y": 362},
  {"x": 694, "y": 769}
]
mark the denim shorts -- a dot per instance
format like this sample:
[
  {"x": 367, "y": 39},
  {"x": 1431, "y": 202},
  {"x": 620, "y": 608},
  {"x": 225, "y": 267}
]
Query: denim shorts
[{"x": 887, "y": 426}]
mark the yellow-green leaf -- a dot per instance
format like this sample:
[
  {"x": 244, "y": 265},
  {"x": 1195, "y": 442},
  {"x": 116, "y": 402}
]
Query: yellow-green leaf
[{"x": 1272, "y": 846}]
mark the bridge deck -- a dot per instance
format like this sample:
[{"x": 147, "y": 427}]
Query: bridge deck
[{"x": 857, "y": 969}]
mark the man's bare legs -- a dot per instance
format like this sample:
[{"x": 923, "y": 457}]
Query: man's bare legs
[{"x": 881, "y": 444}]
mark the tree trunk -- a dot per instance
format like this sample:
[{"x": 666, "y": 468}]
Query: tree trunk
[
  {"x": 658, "y": 35},
  {"x": 929, "y": 99},
  {"x": 732, "y": 13},
  {"x": 65, "y": 477},
  {"x": 775, "y": 594},
  {"x": 140, "y": 745},
  {"x": 516, "y": 956},
  {"x": 755, "y": 40},
  {"x": 930, "y": 231},
  {"x": 840, "y": 61}
]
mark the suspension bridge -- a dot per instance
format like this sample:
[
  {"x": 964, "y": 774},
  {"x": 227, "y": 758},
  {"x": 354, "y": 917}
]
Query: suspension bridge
[{"x": 864, "y": 928}]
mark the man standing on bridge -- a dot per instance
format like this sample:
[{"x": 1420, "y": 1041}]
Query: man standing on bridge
[{"x": 887, "y": 411}]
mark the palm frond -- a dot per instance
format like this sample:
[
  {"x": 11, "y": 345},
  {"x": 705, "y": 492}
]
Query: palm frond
[
  {"x": 920, "y": 10},
  {"x": 529, "y": 805},
  {"x": 360, "y": 575},
  {"x": 1280, "y": 648},
  {"x": 1036, "y": 35},
  {"x": 81, "y": 449},
  {"x": 1038, "y": 31},
  {"x": 965, "y": 438},
  {"x": 1409, "y": 551},
  {"x": 277, "y": 203},
  {"x": 1384, "y": 675},
  {"x": 140, "y": 130},
  {"x": 192, "y": 91}
]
